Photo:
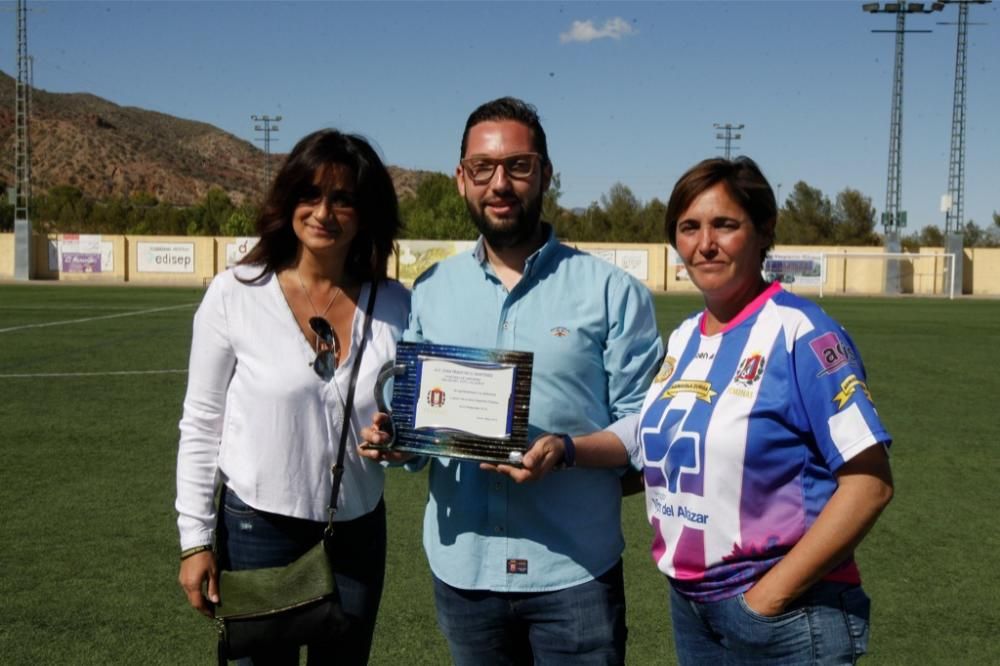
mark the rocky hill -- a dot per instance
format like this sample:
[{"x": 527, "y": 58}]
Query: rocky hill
[{"x": 107, "y": 150}]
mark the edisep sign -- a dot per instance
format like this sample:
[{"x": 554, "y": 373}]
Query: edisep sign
[{"x": 164, "y": 257}]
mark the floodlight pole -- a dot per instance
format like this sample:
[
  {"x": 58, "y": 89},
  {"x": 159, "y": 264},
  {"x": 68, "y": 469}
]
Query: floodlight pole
[
  {"x": 954, "y": 202},
  {"x": 269, "y": 124},
  {"x": 23, "y": 259},
  {"x": 893, "y": 217},
  {"x": 727, "y": 136}
]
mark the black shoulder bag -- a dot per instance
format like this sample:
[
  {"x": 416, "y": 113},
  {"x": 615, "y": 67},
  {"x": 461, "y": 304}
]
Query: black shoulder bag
[{"x": 295, "y": 604}]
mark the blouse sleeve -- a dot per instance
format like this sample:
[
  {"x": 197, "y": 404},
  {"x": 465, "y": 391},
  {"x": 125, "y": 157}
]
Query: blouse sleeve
[{"x": 209, "y": 372}]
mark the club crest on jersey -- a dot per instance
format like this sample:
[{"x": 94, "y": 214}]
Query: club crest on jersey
[
  {"x": 666, "y": 370},
  {"x": 849, "y": 387},
  {"x": 702, "y": 390},
  {"x": 560, "y": 331},
  {"x": 435, "y": 397},
  {"x": 750, "y": 370},
  {"x": 831, "y": 352}
]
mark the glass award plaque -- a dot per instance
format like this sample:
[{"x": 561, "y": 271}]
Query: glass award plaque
[{"x": 457, "y": 402}]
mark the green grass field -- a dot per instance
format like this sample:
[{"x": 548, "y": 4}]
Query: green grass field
[{"x": 91, "y": 383}]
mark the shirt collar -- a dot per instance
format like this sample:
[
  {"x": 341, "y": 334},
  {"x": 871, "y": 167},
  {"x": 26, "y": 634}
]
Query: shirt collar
[
  {"x": 748, "y": 310},
  {"x": 535, "y": 259},
  {"x": 479, "y": 251}
]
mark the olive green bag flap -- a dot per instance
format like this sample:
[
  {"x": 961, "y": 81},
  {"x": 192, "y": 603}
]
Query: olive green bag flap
[{"x": 266, "y": 591}]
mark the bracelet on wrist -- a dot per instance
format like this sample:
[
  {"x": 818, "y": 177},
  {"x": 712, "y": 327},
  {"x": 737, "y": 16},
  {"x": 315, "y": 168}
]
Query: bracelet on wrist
[
  {"x": 194, "y": 550},
  {"x": 569, "y": 451}
]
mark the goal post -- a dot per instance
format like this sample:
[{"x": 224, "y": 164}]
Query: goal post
[{"x": 935, "y": 268}]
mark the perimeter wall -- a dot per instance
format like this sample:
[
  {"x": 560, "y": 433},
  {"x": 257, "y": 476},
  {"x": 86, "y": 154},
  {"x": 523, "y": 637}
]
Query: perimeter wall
[{"x": 193, "y": 260}]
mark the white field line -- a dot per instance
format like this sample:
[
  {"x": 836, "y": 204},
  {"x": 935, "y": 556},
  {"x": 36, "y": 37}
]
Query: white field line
[
  {"x": 84, "y": 306},
  {"x": 85, "y": 319},
  {"x": 34, "y": 375}
]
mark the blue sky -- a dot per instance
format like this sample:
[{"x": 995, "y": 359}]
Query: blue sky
[{"x": 627, "y": 91}]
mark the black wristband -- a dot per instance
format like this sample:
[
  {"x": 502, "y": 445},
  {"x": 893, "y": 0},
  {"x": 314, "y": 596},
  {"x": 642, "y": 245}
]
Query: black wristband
[{"x": 569, "y": 451}]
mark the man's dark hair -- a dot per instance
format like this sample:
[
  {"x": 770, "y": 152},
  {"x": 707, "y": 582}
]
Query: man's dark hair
[
  {"x": 375, "y": 202},
  {"x": 744, "y": 182},
  {"x": 509, "y": 108}
]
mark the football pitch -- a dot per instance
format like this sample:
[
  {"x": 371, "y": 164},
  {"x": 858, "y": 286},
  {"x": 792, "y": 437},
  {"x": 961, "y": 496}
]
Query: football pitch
[{"x": 91, "y": 384}]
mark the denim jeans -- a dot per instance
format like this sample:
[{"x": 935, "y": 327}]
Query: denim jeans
[
  {"x": 251, "y": 539},
  {"x": 826, "y": 625},
  {"x": 583, "y": 624}
]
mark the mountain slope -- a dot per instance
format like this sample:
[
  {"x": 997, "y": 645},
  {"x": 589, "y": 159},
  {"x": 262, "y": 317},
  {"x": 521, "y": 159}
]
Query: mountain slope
[{"x": 107, "y": 150}]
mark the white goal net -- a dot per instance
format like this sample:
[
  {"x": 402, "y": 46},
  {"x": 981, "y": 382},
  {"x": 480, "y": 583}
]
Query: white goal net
[{"x": 927, "y": 274}]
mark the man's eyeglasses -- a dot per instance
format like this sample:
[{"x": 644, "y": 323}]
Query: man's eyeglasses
[
  {"x": 520, "y": 166},
  {"x": 326, "y": 359}
]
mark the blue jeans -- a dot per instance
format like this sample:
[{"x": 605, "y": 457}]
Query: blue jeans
[
  {"x": 251, "y": 539},
  {"x": 826, "y": 625},
  {"x": 583, "y": 624}
]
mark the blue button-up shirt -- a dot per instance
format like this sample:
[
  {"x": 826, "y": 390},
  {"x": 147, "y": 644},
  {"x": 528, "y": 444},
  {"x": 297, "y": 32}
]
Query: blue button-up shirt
[{"x": 593, "y": 332}]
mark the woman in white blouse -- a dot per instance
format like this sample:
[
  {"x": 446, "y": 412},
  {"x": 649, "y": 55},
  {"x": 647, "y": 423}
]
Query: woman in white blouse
[{"x": 274, "y": 342}]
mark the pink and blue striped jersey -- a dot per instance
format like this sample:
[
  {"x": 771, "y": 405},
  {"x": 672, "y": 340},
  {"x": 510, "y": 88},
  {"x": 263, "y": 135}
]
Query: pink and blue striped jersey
[{"x": 741, "y": 434}]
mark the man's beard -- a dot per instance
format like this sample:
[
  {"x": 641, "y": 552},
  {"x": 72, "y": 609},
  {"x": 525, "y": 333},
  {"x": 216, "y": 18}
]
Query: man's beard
[{"x": 522, "y": 230}]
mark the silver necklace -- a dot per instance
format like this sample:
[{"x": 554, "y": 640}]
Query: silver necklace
[{"x": 308, "y": 298}]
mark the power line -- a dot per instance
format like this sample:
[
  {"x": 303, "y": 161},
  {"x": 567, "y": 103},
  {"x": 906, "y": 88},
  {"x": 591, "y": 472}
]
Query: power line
[{"x": 267, "y": 126}]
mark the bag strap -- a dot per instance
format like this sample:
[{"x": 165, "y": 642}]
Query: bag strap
[{"x": 338, "y": 467}]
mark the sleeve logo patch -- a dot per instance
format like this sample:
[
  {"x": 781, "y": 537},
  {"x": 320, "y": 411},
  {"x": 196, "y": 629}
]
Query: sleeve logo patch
[
  {"x": 517, "y": 566},
  {"x": 849, "y": 387},
  {"x": 831, "y": 353}
]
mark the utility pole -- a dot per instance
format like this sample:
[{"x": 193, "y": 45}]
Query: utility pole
[
  {"x": 893, "y": 217},
  {"x": 23, "y": 259},
  {"x": 268, "y": 125},
  {"x": 727, "y": 136},
  {"x": 953, "y": 203}
]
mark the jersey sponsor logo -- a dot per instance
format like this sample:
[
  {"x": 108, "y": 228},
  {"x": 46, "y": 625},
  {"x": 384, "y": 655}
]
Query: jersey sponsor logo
[
  {"x": 668, "y": 510},
  {"x": 750, "y": 370},
  {"x": 673, "y": 453},
  {"x": 849, "y": 387},
  {"x": 701, "y": 389},
  {"x": 435, "y": 397},
  {"x": 666, "y": 370},
  {"x": 705, "y": 356},
  {"x": 831, "y": 352},
  {"x": 560, "y": 331}
]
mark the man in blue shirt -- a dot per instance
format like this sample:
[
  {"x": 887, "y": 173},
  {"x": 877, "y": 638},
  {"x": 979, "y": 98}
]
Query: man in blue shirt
[{"x": 527, "y": 563}]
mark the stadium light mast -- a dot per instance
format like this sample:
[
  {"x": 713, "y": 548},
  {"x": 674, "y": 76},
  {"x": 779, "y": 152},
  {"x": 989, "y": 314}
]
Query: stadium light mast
[
  {"x": 893, "y": 217},
  {"x": 727, "y": 136},
  {"x": 267, "y": 125},
  {"x": 953, "y": 203},
  {"x": 23, "y": 264}
]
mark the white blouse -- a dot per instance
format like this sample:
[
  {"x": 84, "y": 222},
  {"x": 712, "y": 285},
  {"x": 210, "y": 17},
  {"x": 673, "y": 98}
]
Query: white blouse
[{"x": 257, "y": 417}]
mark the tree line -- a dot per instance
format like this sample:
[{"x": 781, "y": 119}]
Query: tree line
[
  {"x": 436, "y": 211},
  {"x": 65, "y": 209}
]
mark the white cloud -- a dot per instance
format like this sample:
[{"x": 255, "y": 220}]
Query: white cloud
[{"x": 585, "y": 31}]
